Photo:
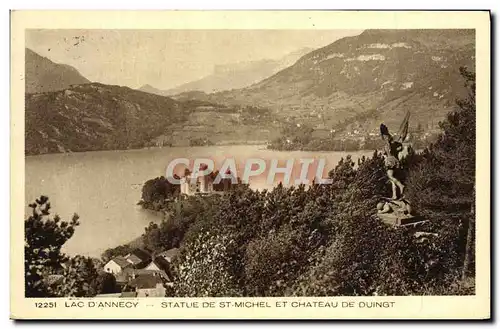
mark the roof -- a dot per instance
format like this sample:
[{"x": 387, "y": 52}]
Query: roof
[
  {"x": 109, "y": 295},
  {"x": 132, "y": 258},
  {"x": 119, "y": 294},
  {"x": 170, "y": 254},
  {"x": 161, "y": 263},
  {"x": 160, "y": 273},
  {"x": 120, "y": 261},
  {"x": 145, "y": 281},
  {"x": 141, "y": 254},
  {"x": 128, "y": 273},
  {"x": 129, "y": 294}
]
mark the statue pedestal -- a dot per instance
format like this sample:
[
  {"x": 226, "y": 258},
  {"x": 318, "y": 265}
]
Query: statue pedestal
[
  {"x": 398, "y": 213},
  {"x": 396, "y": 219}
]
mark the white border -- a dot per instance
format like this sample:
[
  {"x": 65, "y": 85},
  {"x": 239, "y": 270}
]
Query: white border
[{"x": 146, "y": 4}]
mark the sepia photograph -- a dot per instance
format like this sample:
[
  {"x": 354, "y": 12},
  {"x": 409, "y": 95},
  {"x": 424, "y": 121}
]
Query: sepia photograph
[{"x": 230, "y": 162}]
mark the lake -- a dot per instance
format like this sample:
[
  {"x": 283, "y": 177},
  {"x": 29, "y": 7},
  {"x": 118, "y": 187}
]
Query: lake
[{"x": 103, "y": 188}]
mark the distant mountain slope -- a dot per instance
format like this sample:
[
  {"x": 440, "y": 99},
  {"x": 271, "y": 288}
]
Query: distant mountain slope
[
  {"x": 152, "y": 90},
  {"x": 94, "y": 117},
  {"x": 349, "y": 86},
  {"x": 97, "y": 117},
  {"x": 366, "y": 79},
  {"x": 43, "y": 75},
  {"x": 233, "y": 76}
]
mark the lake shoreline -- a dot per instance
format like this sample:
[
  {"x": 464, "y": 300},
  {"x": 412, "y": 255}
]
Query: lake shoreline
[
  {"x": 263, "y": 147},
  {"x": 104, "y": 187}
]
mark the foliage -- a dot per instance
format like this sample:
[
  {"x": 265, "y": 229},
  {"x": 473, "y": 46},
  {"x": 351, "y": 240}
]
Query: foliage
[
  {"x": 273, "y": 261},
  {"x": 181, "y": 215},
  {"x": 203, "y": 269},
  {"x": 441, "y": 183},
  {"x": 325, "y": 240},
  {"x": 304, "y": 142},
  {"x": 253, "y": 114},
  {"x": 116, "y": 118},
  {"x": 156, "y": 191},
  {"x": 43, "y": 239},
  {"x": 78, "y": 278},
  {"x": 445, "y": 175},
  {"x": 44, "y": 261},
  {"x": 200, "y": 142},
  {"x": 106, "y": 284},
  {"x": 111, "y": 253}
]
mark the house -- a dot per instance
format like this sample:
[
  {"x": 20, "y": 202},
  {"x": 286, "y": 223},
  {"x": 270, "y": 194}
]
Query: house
[
  {"x": 158, "y": 264},
  {"x": 170, "y": 254},
  {"x": 138, "y": 258},
  {"x": 162, "y": 262},
  {"x": 129, "y": 294},
  {"x": 148, "y": 285},
  {"x": 114, "y": 295},
  {"x": 117, "y": 265},
  {"x": 127, "y": 275}
]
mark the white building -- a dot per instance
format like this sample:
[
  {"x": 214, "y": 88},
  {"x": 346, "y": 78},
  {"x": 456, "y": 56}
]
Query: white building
[
  {"x": 148, "y": 285},
  {"x": 117, "y": 265},
  {"x": 202, "y": 184},
  {"x": 188, "y": 187},
  {"x": 206, "y": 184}
]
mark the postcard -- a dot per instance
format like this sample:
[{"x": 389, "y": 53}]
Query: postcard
[{"x": 250, "y": 165}]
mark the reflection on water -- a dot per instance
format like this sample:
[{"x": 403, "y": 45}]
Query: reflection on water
[{"x": 103, "y": 188}]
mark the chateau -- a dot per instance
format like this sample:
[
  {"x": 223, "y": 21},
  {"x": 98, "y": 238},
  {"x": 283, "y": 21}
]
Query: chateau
[
  {"x": 204, "y": 185},
  {"x": 201, "y": 185}
]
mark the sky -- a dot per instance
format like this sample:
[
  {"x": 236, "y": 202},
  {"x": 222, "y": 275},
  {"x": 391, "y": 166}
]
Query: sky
[{"x": 168, "y": 58}]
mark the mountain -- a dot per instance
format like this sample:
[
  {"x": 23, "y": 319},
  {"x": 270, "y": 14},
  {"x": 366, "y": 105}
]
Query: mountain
[
  {"x": 152, "y": 90},
  {"x": 94, "y": 116},
  {"x": 233, "y": 76},
  {"x": 351, "y": 85},
  {"x": 43, "y": 75},
  {"x": 358, "y": 82}
]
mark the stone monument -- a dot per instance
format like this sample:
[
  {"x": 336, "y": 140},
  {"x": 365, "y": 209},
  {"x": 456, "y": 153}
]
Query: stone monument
[{"x": 396, "y": 210}]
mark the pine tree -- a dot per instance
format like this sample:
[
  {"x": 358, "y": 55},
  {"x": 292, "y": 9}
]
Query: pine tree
[{"x": 43, "y": 239}]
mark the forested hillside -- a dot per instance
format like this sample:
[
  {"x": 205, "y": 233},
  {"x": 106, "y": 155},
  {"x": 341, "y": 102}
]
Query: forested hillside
[
  {"x": 321, "y": 241},
  {"x": 94, "y": 116},
  {"x": 326, "y": 240},
  {"x": 357, "y": 82}
]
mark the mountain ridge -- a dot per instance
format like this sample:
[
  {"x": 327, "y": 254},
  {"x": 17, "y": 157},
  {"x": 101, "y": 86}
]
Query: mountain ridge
[
  {"x": 92, "y": 117},
  {"x": 44, "y": 75},
  {"x": 343, "y": 90},
  {"x": 367, "y": 73},
  {"x": 233, "y": 76},
  {"x": 96, "y": 117}
]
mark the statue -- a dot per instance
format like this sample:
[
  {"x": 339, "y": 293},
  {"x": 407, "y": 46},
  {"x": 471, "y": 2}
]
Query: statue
[
  {"x": 397, "y": 211},
  {"x": 397, "y": 148}
]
